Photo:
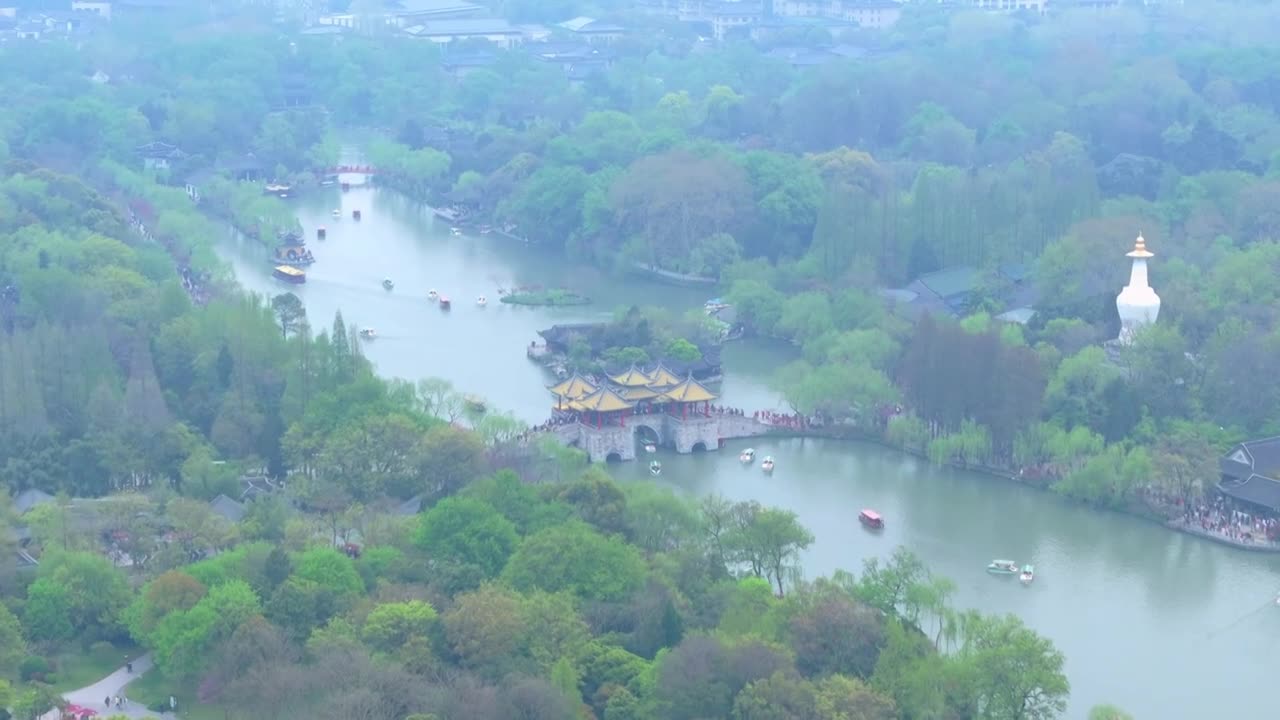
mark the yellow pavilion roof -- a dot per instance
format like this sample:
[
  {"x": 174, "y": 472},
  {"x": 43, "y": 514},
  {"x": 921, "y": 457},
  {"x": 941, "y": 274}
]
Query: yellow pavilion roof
[
  {"x": 631, "y": 378},
  {"x": 661, "y": 377},
  {"x": 689, "y": 391},
  {"x": 602, "y": 400},
  {"x": 640, "y": 393},
  {"x": 574, "y": 387}
]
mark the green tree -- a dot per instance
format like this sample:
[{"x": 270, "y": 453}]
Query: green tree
[
  {"x": 578, "y": 559},
  {"x": 391, "y": 626},
  {"x": 468, "y": 531},
  {"x": 13, "y": 647},
  {"x": 183, "y": 640},
  {"x": 1013, "y": 672},
  {"x": 330, "y": 569}
]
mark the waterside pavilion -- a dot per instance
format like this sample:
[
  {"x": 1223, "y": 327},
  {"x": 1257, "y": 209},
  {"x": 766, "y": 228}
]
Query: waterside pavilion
[{"x": 661, "y": 407}]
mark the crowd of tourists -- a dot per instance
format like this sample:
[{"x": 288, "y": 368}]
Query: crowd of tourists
[{"x": 1222, "y": 518}]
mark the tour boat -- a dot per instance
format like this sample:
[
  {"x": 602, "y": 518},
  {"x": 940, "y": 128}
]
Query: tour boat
[
  {"x": 1003, "y": 567},
  {"x": 289, "y": 274},
  {"x": 481, "y": 301},
  {"x": 368, "y": 333},
  {"x": 337, "y": 213},
  {"x": 651, "y": 448},
  {"x": 355, "y": 214},
  {"x": 320, "y": 232},
  {"x": 1028, "y": 574},
  {"x": 387, "y": 284},
  {"x": 444, "y": 303},
  {"x": 432, "y": 295},
  {"x": 748, "y": 456},
  {"x": 655, "y": 468},
  {"x": 871, "y": 519},
  {"x": 767, "y": 464}
]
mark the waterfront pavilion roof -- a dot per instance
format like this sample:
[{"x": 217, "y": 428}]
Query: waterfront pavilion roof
[
  {"x": 689, "y": 391},
  {"x": 661, "y": 377},
  {"x": 640, "y": 393},
  {"x": 631, "y": 378},
  {"x": 602, "y": 400},
  {"x": 575, "y": 387}
]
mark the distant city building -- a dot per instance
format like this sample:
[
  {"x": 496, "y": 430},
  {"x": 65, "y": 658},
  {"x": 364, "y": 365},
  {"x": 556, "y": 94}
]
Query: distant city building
[
  {"x": 495, "y": 30},
  {"x": 101, "y": 9},
  {"x": 408, "y": 13},
  {"x": 592, "y": 30},
  {"x": 1137, "y": 304},
  {"x": 1035, "y": 6},
  {"x": 876, "y": 14}
]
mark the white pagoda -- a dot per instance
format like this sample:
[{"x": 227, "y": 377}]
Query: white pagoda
[{"x": 1137, "y": 303}]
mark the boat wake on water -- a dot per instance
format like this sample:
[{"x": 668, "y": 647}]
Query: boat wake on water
[{"x": 1268, "y": 605}]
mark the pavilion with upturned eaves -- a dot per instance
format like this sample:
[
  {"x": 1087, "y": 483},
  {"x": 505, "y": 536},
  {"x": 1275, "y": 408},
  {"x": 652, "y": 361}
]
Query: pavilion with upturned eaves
[{"x": 677, "y": 411}]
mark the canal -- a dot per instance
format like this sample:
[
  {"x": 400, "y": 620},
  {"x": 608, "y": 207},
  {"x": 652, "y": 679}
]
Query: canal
[{"x": 1161, "y": 624}]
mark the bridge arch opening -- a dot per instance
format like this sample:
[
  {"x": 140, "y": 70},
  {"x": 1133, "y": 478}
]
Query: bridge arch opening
[
  {"x": 613, "y": 457},
  {"x": 698, "y": 447},
  {"x": 646, "y": 435}
]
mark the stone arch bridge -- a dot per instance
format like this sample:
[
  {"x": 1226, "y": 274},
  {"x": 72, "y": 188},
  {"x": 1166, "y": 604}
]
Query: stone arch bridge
[{"x": 687, "y": 435}]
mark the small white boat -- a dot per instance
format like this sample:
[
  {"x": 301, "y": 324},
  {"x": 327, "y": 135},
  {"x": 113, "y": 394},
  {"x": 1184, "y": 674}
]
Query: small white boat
[
  {"x": 1028, "y": 574},
  {"x": 337, "y": 213},
  {"x": 651, "y": 448},
  {"x": 1003, "y": 567},
  {"x": 767, "y": 464},
  {"x": 455, "y": 231},
  {"x": 432, "y": 295},
  {"x": 368, "y": 333},
  {"x": 481, "y": 301},
  {"x": 655, "y": 468},
  {"x": 748, "y": 456}
]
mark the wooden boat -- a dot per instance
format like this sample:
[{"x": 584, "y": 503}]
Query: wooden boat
[
  {"x": 289, "y": 274},
  {"x": 388, "y": 285},
  {"x": 767, "y": 464},
  {"x": 1003, "y": 567},
  {"x": 655, "y": 468},
  {"x": 871, "y": 519},
  {"x": 368, "y": 333},
  {"x": 355, "y": 214},
  {"x": 1028, "y": 574},
  {"x": 444, "y": 303},
  {"x": 320, "y": 232},
  {"x": 748, "y": 456}
]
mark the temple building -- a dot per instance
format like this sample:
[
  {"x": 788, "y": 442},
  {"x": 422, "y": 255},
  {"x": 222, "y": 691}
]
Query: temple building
[
  {"x": 571, "y": 389},
  {"x": 1137, "y": 304}
]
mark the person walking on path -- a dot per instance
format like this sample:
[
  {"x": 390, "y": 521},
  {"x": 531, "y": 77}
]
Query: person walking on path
[{"x": 111, "y": 688}]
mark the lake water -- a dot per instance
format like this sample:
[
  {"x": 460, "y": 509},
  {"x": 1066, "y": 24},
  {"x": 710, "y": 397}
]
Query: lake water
[{"x": 1161, "y": 624}]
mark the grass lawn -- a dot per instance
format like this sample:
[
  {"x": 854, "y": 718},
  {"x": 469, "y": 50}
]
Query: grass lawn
[
  {"x": 77, "y": 668},
  {"x": 155, "y": 687}
]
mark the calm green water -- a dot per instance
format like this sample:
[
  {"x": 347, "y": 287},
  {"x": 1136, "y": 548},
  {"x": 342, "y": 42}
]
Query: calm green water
[{"x": 1162, "y": 624}]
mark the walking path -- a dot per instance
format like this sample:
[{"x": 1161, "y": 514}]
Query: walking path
[{"x": 94, "y": 696}]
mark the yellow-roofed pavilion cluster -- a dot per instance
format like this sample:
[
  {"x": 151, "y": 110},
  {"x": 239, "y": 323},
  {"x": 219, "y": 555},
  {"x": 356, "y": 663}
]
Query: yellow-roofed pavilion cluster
[{"x": 624, "y": 392}]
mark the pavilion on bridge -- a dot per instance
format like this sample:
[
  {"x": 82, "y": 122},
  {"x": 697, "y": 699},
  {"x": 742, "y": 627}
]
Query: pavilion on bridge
[{"x": 633, "y": 392}]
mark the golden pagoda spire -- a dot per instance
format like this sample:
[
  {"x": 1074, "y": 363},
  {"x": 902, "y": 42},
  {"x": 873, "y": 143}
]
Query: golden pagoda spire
[{"x": 1140, "y": 249}]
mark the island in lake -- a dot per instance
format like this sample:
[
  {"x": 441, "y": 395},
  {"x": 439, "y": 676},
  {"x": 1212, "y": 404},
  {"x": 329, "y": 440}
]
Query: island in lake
[{"x": 536, "y": 295}]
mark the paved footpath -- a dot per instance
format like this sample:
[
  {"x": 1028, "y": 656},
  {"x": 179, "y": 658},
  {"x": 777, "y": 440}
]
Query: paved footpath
[{"x": 92, "y": 696}]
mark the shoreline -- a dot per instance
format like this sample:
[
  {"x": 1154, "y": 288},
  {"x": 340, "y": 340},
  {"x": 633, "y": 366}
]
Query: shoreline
[{"x": 1172, "y": 524}]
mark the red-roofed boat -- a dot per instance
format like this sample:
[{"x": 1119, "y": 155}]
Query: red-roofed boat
[{"x": 871, "y": 519}]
